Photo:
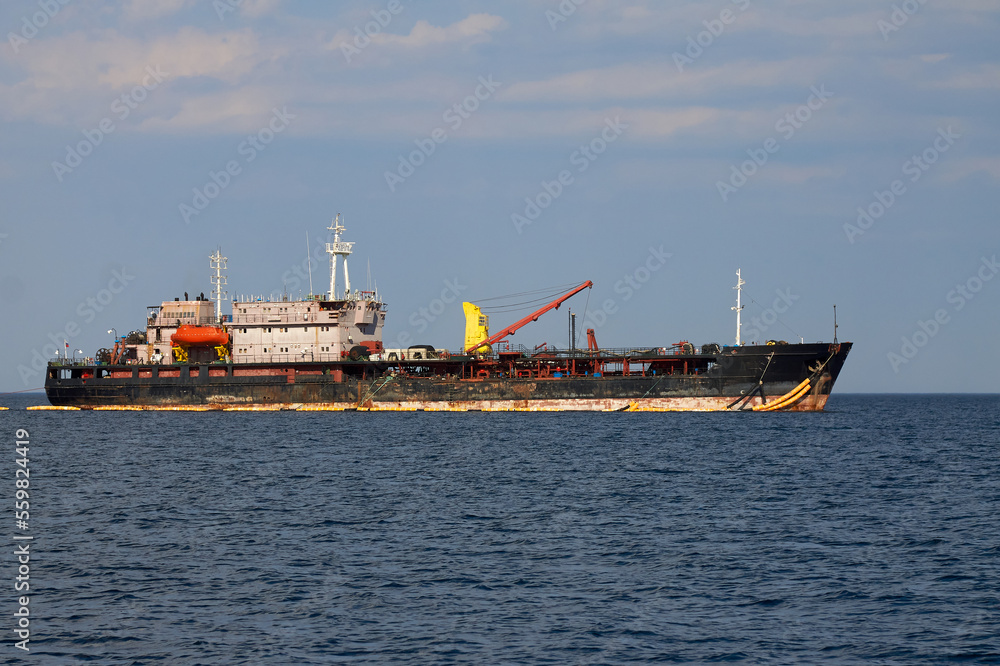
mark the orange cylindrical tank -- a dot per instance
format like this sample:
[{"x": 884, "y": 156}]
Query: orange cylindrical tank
[{"x": 199, "y": 336}]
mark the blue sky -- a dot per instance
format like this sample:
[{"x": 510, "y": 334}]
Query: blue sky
[{"x": 482, "y": 149}]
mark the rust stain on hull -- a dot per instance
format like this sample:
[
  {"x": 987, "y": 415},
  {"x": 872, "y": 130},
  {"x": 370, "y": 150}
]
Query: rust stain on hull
[{"x": 706, "y": 404}]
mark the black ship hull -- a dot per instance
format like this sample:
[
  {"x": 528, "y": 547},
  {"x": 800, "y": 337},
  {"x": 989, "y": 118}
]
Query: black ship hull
[{"x": 734, "y": 378}]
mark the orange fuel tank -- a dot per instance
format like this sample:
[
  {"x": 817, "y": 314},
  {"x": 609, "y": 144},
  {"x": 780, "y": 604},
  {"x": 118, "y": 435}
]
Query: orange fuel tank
[{"x": 199, "y": 336}]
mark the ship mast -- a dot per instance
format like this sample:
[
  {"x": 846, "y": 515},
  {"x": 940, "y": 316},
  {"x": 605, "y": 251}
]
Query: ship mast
[
  {"x": 218, "y": 281},
  {"x": 309, "y": 263},
  {"x": 739, "y": 306},
  {"x": 335, "y": 250}
]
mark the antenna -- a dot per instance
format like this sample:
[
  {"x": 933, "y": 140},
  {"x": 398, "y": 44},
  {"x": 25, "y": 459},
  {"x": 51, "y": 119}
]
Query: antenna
[
  {"x": 218, "y": 281},
  {"x": 739, "y": 306},
  {"x": 834, "y": 323},
  {"x": 309, "y": 263}
]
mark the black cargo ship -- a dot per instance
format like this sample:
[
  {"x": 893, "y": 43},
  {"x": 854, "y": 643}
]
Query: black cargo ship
[
  {"x": 733, "y": 378},
  {"x": 326, "y": 352}
]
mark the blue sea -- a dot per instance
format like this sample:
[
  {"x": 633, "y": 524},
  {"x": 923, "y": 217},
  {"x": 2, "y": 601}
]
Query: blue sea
[{"x": 867, "y": 534}]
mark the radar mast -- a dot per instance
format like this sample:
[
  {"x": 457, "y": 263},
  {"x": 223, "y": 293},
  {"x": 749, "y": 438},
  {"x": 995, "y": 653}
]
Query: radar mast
[
  {"x": 739, "y": 306},
  {"x": 218, "y": 281},
  {"x": 337, "y": 249}
]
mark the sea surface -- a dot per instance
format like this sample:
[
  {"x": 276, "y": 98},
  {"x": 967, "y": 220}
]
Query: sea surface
[{"x": 868, "y": 534}]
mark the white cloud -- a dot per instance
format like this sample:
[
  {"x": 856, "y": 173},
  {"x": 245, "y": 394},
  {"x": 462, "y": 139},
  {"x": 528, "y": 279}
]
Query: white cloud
[
  {"x": 258, "y": 8},
  {"x": 112, "y": 60},
  {"x": 943, "y": 72},
  {"x": 475, "y": 28},
  {"x": 470, "y": 30},
  {"x": 500, "y": 123},
  {"x": 231, "y": 111},
  {"x": 861, "y": 24},
  {"x": 584, "y": 124},
  {"x": 143, "y": 10},
  {"x": 963, "y": 168},
  {"x": 983, "y": 77},
  {"x": 662, "y": 80},
  {"x": 673, "y": 22},
  {"x": 796, "y": 174},
  {"x": 76, "y": 71}
]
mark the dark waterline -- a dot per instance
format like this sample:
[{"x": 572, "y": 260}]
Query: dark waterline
[{"x": 865, "y": 534}]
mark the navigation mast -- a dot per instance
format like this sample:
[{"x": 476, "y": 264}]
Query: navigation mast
[
  {"x": 336, "y": 249},
  {"x": 218, "y": 281},
  {"x": 739, "y": 306}
]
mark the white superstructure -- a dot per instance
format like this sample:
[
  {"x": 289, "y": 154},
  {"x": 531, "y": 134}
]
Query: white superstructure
[
  {"x": 317, "y": 330},
  {"x": 265, "y": 330}
]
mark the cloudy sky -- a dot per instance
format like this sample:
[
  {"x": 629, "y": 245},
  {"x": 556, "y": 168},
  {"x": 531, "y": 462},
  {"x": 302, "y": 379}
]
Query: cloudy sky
[{"x": 838, "y": 153}]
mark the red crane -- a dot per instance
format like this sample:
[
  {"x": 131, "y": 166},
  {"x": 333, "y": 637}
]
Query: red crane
[{"x": 493, "y": 339}]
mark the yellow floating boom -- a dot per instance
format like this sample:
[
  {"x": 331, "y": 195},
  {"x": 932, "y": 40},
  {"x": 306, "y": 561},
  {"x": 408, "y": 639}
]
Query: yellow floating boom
[{"x": 786, "y": 400}]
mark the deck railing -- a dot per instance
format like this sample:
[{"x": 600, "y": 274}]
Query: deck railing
[{"x": 636, "y": 353}]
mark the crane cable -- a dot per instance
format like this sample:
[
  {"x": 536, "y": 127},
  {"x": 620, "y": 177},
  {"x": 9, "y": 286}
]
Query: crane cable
[{"x": 550, "y": 294}]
